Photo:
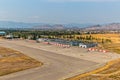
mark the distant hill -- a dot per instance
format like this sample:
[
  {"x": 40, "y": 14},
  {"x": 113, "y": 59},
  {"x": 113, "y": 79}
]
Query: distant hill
[
  {"x": 61, "y": 26},
  {"x": 112, "y": 26},
  {"x": 45, "y": 26},
  {"x": 22, "y": 25},
  {"x": 48, "y": 26},
  {"x": 10, "y": 24}
]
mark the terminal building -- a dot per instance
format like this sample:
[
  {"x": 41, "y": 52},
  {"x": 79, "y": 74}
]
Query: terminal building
[
  {"x": 87, "y": 45},
  {"x": 67, "y": 42}
]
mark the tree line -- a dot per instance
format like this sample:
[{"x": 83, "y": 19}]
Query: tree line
[{"x": 68, "y": 35}]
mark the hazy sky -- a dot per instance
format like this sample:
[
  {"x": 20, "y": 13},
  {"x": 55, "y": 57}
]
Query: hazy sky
[{"x": 60, "y": 11}]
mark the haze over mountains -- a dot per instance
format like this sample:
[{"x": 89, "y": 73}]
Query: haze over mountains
[
  {"x": 87, "y": 26},
  {"x": 10, "y": 24},
  {"x": 111, "y": 26}
]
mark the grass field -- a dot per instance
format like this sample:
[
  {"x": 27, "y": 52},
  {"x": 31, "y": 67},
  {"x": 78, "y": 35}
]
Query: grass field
[
  {"x": 115, "y": 38},
  {"x": 13, "y": 61}
]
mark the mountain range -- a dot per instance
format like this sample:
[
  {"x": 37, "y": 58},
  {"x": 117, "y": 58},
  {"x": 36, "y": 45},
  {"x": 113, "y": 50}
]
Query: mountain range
[
  {"x": 111, "y": 26},
  {"x": 15, "y": 25},
  {"x": 11, "y": 24},
  {"x": 45, "y": 26}
]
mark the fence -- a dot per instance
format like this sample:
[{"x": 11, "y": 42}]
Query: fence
[
  {"x": 97, "y": 50},
  {"x": 58, "y": 44}
]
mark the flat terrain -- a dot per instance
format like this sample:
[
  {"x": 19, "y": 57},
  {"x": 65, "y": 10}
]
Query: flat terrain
[
  {"x": 76, "y": 52},
  {"x": 56, "y": 66},
  {"x": 13, "y": 61},
  {"x": 113, "y": 71},
  {"x": 59, "y": 63}
]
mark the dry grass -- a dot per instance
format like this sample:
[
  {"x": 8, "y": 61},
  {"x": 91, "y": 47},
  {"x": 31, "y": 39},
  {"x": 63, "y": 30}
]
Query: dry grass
[
  {"x": 115, "y": 38},
  {"x": 111, "y": 73},
  {"x": 13, "y": 61},
  {"x": 113, "y": 47}
]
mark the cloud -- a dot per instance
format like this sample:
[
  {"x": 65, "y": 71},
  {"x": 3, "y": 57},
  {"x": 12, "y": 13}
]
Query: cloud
[{"x": 82, "y": 0}]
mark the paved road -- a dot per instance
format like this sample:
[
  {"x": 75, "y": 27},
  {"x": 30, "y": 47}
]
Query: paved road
[{"x": 56, "y": 66}]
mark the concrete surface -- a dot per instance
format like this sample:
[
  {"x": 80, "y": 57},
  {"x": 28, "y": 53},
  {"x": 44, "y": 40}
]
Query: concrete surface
[{"x": 56, "y": 66}]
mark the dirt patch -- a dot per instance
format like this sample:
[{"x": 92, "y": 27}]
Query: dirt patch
[{"x": 13, "y": 61}]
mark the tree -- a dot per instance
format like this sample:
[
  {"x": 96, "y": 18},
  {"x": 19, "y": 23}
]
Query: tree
[{"x": 102, "y": 41}]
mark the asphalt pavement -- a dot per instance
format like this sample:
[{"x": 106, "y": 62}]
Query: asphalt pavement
[{"x": 56, "y": 66}]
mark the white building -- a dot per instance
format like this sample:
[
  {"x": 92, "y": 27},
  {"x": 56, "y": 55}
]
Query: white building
[
  {"x": 82, "y": 45},
  {"x": 9, "y": 36},
  {"x": 87, "y": 45},
  {"x": 41, "y": 40}
]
